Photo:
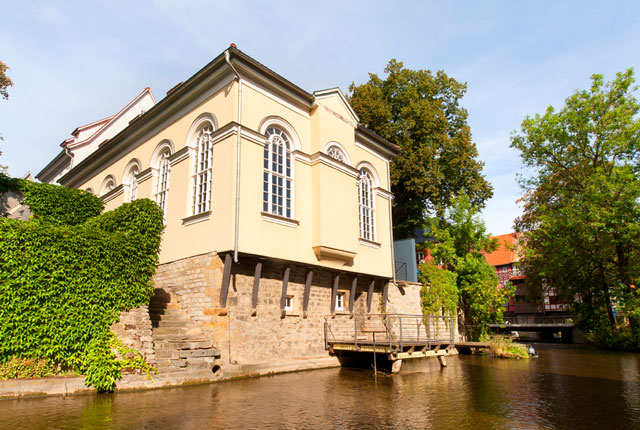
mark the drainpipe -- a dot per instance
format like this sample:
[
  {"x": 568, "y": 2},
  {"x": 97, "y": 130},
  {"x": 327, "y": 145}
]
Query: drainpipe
[
  {"x": 393, "y": 257},
  {"x": 237, "y": 224},
  {"x": 68, "y": 153}
]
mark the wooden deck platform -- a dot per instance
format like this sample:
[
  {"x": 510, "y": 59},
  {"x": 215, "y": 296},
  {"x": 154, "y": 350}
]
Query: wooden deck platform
[{"x": 396, "y": 336}]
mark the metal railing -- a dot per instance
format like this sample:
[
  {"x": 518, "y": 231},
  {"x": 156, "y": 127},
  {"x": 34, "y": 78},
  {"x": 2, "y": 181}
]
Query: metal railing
[
  {"x": 402, "y": 272},
  {"x": 396, "y": 331},
  {"x": 538, "y": 319}
]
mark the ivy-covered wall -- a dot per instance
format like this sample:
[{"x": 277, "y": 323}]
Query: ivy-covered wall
[{"x": 66, "y": 275}]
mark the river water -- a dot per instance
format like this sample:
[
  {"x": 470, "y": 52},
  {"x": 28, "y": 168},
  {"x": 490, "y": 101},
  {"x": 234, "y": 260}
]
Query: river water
[{"x": 566, "y": 387}]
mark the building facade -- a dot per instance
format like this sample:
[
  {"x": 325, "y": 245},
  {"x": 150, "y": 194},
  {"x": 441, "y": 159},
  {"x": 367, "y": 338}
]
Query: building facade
[
  {"x": 277, "y": 209},
  {"x": 505, "y": 260}
]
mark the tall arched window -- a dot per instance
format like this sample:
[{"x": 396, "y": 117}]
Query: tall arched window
[
  {"x": 162, "y": 187},
  {"x": 278, "y": 182},
  {"x": 203, "y": 162},
  {"x": 367, "y": 207},
  {"x": 131, "y": 180}
]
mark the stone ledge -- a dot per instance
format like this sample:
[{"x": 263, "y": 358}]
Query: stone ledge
[{"x": 75, "y": 385}]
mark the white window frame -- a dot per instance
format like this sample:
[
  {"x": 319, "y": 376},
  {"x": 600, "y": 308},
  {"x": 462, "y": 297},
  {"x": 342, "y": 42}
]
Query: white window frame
[
  {"x": 108, "y": 184},
  {"x": 366, "y": 204},
  {"x": 336, "y": 153},
  {"x": 133, "y": 185},
  {"x": 278, "y": 186},
  {"x": 202, "y": 170},
  {"x": 340, "y": 299},
  {"x": 288, "y": 303},
  {"x": 162, "y": 183},
  {"x": 130, "y": 180}
]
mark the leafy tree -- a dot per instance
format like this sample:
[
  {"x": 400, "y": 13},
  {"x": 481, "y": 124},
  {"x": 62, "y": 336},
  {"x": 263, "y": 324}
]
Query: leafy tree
[
  {"x": 581, "y": 204},
  {"x": 5, "y": 81},
  {"x": 460, "y": 241},
  {"x": 421, "y": 113}
]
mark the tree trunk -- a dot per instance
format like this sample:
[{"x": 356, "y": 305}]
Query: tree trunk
[
  {"x": 607, "y": 300},
  {"x": 623, "y": 273}
]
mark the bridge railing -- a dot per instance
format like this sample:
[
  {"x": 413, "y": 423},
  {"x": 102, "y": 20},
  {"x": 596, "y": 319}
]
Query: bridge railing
[
  {"x": 394, "y": 330},
  {"x": 539, "y": 319}
]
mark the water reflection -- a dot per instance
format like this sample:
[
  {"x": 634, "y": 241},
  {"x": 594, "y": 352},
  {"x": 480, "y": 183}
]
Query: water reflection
[{"x": 566, "y": 387}]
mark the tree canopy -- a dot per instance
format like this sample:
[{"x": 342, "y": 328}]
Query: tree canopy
[
  {"x": 420, "y": 112},
  {"x": 460, "y": 239},
  {"x": 5, "y": 81},
  {"x": 581, "y": 219}
]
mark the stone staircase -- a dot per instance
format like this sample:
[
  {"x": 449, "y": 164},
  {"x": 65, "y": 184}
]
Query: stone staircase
[{"x": 180, "y": 345}]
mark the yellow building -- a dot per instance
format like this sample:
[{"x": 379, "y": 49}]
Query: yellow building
[{"x": 277, "y": 208}]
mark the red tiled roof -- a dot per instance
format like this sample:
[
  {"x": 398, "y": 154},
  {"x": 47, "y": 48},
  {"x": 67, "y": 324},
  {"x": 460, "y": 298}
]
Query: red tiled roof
[{"x": 506, "y": 252}]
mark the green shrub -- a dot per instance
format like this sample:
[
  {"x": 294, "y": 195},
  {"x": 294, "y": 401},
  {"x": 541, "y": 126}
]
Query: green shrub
[
  {"x": 439, "y": 291},
  {"x": 503, "y": 347},
  {"x": 63, "y": 286},
  {"x": 624, "y": 340},
  {"x": 21, "y": 368}
]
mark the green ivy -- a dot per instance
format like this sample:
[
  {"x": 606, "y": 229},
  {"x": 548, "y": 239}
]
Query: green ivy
[
  {"x": 439, "y": 290},
  {"x": 62, "y": 286},
  {"x": 55, "y": 204}
]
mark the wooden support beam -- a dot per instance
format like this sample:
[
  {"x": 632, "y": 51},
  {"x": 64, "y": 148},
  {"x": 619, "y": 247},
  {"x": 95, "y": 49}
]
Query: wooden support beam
[
  {"x": 352, "y": 294},
  {"x": 334, "y": 292},
  {"x": 385, "y": 293},
  {"x": 226, "y": 277},
  {"x": 370, "y": 295},
  {"x": 256, "y": 286},
  {"x": 307, "y": 293},
  {"x": 442, "y": 360},
  {"x": 283, "y": 297}
]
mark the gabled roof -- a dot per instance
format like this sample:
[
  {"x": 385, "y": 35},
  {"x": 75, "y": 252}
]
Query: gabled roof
[
  {"x": 507, "y": 251},
  {"x": 77, "y": 131},
  {"x": 249, "y": 69},
  {"x": 320, "y": 94},
  {"x": 62, "y": 160},
  {"x": 106, "y": 122}
]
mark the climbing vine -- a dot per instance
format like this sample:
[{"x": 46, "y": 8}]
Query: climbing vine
[
  {"x": 52, "y": 203},
  {"x": 439, "y": 292},
  {"x": 63, "y": 283}
]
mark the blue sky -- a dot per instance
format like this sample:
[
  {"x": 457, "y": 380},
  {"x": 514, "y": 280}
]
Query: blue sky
[{"x": 75, "y": 62}]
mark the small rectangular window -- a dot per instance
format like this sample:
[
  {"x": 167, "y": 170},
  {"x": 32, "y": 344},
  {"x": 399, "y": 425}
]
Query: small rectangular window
[
  {"x": 340, "y": 301},
  {"x": 288, "y": 303}
]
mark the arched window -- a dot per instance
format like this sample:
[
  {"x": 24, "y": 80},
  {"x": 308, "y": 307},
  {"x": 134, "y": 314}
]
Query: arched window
[
  {"x": 162, "y": 186},
  {"x": 334, "y": 152},
  {"x": 277, "y": 187},
  {"x": 367, "y": 207},
  {"x": 202, "y": 178},
  {"x": 108, "y": 184},
  {"x": 131, "y": 179}
]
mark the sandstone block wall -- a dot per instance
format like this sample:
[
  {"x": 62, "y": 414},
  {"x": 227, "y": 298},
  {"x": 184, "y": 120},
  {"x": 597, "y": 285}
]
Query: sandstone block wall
[
  {"x": 193, "y": 285},
  {"x": 134, "y": 330},
  {"x": 404, "y": 298}
]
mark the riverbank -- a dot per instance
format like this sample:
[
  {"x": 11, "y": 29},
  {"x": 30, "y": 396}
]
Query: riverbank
[{"x": 65, "y": 386}]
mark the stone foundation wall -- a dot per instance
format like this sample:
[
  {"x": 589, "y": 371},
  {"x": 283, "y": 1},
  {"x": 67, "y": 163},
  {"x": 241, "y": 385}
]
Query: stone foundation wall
[
  {"x": 193, "y": 285},
  {"x": 134, "y": 330},
  {"x": 404, "y": 298}
]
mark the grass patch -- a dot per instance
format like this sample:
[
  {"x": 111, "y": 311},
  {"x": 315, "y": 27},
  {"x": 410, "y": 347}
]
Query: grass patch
[{"x": 503, "y": 347}]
